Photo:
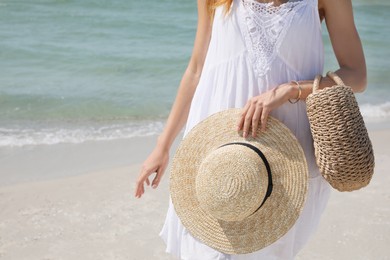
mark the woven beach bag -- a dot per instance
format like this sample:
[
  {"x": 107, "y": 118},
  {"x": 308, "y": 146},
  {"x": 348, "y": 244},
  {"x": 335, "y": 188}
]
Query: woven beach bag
[{"x": 343, "y": 149}]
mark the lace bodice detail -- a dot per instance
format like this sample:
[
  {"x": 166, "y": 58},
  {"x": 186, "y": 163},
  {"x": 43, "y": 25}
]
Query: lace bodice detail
[{"x": 264, "y": 29}]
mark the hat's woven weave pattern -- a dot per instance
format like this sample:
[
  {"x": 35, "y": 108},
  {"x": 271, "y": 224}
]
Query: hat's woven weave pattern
[
  {"x": 238, "y": 195},
  {"x": 343, "y": 149},
  {"x": 279, "y": 212}
]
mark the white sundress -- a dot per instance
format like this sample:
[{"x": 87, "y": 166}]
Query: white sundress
[{"x": 253, "y": 49}]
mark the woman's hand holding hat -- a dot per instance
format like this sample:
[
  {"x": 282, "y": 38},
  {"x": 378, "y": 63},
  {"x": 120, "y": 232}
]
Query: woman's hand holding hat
[{"x": 257, "y": 109}]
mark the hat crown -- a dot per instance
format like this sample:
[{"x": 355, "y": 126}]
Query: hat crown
[{"x": 231, "y": 182}]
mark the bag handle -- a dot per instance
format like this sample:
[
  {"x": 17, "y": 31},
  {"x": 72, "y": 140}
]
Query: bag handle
[
  {"x": 330, "y": 74},
  {"x": 316, "y": 83},
  {"x": 335, "y": 78}
]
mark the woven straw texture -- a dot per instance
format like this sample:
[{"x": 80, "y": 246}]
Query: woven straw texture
[
  {"x": 343, "y": 148},
  {"x": 191, "y": 186}
]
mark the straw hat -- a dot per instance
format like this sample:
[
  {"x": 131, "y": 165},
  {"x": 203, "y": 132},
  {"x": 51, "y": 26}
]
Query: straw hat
[{"x": 238, "y": 195}]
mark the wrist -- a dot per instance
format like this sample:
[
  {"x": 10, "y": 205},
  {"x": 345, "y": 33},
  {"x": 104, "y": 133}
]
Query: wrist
[
  {"x": 163, "y": 143},
  {"x": 294, "y": 91}
]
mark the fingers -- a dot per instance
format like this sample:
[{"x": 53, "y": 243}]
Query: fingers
[
  {"x": 139, "y": 189},
  {"x": 256, "y": 120},
  {"x": 254, "y": 113},
  {"x": 143, "y": 177},
  {"x": 248, "y": 121},
  {"x": 264, "y": 117},
  {"x": 240, "y": 123},
  {"x": 157, "y": 178}
]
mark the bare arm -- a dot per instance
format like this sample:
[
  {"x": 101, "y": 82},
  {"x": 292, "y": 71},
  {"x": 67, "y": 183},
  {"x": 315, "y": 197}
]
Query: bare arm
[
  {"x": 158, "y": 159},
  {"x": 348, "y": 49},
  {"x": 181, "y": 106},
  {"x": 346, "y": 45}
]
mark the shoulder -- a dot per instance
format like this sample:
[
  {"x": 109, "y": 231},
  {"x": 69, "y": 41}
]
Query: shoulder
[
  {"x": 329, "y": 7},
  {"x": 327, "y": 3}
]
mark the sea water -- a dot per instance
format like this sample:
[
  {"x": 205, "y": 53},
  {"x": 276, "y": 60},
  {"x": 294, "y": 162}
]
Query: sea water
[{"x": 72, "y": 71}]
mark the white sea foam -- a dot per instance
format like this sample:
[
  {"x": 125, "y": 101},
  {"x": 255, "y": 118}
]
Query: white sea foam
[
  {"x": 376, "y": 112},
  {"x": 17, "y": 137},
  {"x": 55, "y": 135}
]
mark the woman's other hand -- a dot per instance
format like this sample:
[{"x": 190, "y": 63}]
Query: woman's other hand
[
  {"x": 257, "y": 109},
  {"x": 158, "y": 159},
  {"x": 155, "y": 163}
]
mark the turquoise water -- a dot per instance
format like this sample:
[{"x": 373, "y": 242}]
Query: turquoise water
[{"x": 72, "y": 71}]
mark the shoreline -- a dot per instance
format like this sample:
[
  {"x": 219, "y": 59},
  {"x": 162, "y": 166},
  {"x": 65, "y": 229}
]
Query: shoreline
[
  {"x": 50, "y": 162},
  {"x": 27, "y": 136},
  {"x": 88, "y": 156},
  {"x": 79, "y": 204}
]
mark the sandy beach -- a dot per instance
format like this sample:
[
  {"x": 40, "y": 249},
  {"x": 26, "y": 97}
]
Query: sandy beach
[{"x": 75, "y": 201}]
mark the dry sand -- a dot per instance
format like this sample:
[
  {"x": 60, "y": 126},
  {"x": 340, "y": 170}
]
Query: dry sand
[{"x": 75, "y": 201}]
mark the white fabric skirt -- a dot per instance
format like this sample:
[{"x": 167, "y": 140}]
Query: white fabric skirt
[{"x": 183, "y": 245}]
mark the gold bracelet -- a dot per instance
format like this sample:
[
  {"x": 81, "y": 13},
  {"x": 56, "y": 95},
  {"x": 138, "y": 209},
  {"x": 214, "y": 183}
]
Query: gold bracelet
[{"x": 299, "y": 93}]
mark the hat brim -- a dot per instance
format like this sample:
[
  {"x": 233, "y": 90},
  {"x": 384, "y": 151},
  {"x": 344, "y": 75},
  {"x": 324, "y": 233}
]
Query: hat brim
[{"x": 279, "y": 212}]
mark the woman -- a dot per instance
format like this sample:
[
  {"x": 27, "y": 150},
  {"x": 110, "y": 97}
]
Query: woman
[{"x": 261, "y": 56}]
